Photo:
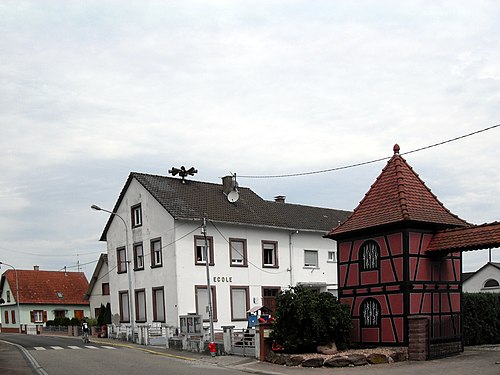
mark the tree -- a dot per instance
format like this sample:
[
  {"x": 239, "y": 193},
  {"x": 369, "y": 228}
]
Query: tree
[{"x": 305, "y": 319}]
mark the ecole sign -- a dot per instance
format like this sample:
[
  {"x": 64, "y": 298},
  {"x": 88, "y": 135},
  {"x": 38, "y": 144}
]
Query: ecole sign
[{"x": 223, "y": 279}]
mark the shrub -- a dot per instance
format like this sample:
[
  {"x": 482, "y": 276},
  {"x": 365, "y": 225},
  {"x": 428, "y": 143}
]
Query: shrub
[
  {"x": 305, "y": 319},
  {"x": 481, "y": 318}
]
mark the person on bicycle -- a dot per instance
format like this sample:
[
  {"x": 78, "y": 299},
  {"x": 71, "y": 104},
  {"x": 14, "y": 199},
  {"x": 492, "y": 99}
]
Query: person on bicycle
[{"x": 85, "y": 330}]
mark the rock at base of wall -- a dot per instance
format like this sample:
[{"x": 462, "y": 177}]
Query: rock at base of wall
[
  {"x": 338, "y": 361},
  {"x": 357, "y": 359},
  {"x": 377, "y": 358},
  {"x": 313, "y": 362},
  {"x": 329, "y": 349},
  {"x": 294, "y": 360}
]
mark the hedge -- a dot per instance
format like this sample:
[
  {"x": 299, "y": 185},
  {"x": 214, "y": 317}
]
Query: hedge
[{"x": 481, "y": 318}]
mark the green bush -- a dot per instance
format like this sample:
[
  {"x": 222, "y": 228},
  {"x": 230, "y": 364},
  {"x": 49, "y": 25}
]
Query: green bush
[
  {"x": 481, "y": 318},
  {"x": 305, "y": 319}
]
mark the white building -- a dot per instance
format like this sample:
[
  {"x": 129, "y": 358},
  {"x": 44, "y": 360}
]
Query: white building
[
  {"x": 98, "y": 291},
  {"x": 485, "y": 280},
  {"x": 256, "y": 249}
]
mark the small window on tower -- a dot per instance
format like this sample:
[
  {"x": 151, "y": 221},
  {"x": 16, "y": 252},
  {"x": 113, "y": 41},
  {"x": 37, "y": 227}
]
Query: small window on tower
[{"x": 369, "y": 256}]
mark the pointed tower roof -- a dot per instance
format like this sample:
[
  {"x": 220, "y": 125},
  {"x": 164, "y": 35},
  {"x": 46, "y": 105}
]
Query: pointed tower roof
[{"x": 398, "y": 195}]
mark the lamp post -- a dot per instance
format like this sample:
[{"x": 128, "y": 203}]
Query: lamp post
[
  {"x": 129, "y": 269},
  {"x": 17, "y": 293}
]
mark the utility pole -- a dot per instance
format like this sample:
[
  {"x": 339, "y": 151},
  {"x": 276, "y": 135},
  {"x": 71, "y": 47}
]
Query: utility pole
[{"x": 209, "y": 288}]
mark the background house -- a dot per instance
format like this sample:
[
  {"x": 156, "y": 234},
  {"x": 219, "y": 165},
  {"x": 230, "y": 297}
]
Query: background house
[
  {"x": 98, "y": 290},
  {"x": 255, "y": 249},
  {"x": 486, "y": 279},
  {"x": 43, "y": 295}
]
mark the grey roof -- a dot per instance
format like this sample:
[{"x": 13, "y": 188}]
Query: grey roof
[{"x": 195, "y": 200}]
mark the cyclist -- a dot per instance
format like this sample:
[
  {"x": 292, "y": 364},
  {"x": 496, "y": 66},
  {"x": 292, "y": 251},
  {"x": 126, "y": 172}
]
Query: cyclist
[{"x": 85, "y": 331}]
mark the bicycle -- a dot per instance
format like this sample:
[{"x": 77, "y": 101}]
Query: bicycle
[{"x": 85, "y": 337}]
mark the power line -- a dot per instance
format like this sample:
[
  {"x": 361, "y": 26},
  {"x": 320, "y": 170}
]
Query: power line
[{"x": 370, "y": 161}]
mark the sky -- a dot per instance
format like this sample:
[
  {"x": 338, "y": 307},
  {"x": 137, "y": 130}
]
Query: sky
[{"x": 91, "y": 91}]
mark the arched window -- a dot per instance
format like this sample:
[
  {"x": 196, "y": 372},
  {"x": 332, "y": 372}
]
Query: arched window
[
  {"x": 369, "y": 256},
  {"x": 370, "y": 313},
  {"x": 491, "y": 283}
]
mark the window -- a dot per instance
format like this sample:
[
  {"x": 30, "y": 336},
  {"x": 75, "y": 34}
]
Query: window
[
  {"x": 8, "y": 296},
  {"x": 60, "y": 295},
  {"x": 97, "y": 311},
  {"x": 491, "y": 283},
  {"x": 269, "y": 254},
  {"x": 332, "y": 257},
  {"x": 121, "y": 260},
  {"x": 199, "y": 250},
  {"x": 158, "y": 305},
  {"x": 238, "y": 252},
  {"x": 269, "y": 294},
  {"x": 124, "y": 309},
  {"x": 310, "y": 258},
  {"x": 136, "y": 216},
  {"x": 156, "y": 254},
  {"x": 201, "y": 293},
  {"x": 6, "y": 317},
  {"x": 60, "y": 313},
  {"x": 138, "y": 257},
  {"x": 78, "y": 314},
  {"x": 105, "y": 289},
  {"x": 370, "y": 313},
  {"x": 37, "y": 316},
  {"x": 13, "y": 315},
  {"x": 240, "y": 303},
  {"x": 369, "y": 256},
  {"x": 140, "y": 306}
]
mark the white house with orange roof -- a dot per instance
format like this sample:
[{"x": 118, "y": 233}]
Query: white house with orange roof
[{"x": 43, "y": 296}]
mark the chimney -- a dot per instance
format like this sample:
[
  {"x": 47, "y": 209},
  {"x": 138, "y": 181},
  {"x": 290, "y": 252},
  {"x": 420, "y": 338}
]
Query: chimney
[
  {"x": 36, "y": 268},
  {"x": 280, "y": 198},
  {"x": 227, "y": 184}
]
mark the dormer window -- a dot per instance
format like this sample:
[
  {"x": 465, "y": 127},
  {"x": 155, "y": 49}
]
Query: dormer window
[
  {"x": 136, "y": 215},
  {"x": 59, "y": 295}
]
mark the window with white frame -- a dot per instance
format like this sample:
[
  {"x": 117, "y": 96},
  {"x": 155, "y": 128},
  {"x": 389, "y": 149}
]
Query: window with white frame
[
  {"x": 369, "y": 256},
  {"x": 332, "y": 257},
  {"x": 156, "y": 253},
  {"x": 136, "y": 215},
  {"x": 240, "y": 303},
  {"x": 124, "y": 309},
  {"x": 140, "y": 305},
  {"x": 158, "y": 304},
  {"x": 121, "y": 260},
  {"x": 310, "y": 258},
  {"x": 269, "y": 254},
  {"x": 199, "y": 250},
  {"x": 138, "y": 257},
  {"x": 238, "y": 252},
  {"x": 38, "y": 316}
]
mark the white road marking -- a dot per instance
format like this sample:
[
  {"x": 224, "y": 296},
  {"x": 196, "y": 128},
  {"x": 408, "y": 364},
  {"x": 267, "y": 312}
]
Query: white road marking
[
  {"x": 109, "y": 347},
  {"x": 74, "y": 347},
  {"x": 57, "y": 348},
  {"x": 91, "y": 347},
  {"x": 40, "y": 348}
]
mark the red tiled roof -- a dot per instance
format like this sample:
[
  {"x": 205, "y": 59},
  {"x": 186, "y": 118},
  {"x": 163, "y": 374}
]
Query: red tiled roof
[
  {"x": 477, "y": 237},
  {"x": 396, "y": 196},
  {"x": 42, "y": 287}
]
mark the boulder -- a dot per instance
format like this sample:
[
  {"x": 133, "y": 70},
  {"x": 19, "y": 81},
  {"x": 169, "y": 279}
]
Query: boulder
[
  {"x": 399, "y": 356},
  {"x": 328, "y": 349},
  {"x": 281, "y": 359},
  {"x": 377, "y": 358},
  {"x": 294, "y": 360},
  {"x": 313, "y": 362},
  {"x": 337, "y": 361},
  {"x": 357, "y": 359}
]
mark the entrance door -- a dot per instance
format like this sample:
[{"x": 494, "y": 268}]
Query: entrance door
[{"x": 269, "y": 294}]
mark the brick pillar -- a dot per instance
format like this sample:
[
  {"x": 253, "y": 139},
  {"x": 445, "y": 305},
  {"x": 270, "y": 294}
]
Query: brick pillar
[
  {"x": 265, "y": 343},
  {"x": 418, "y": 338}
]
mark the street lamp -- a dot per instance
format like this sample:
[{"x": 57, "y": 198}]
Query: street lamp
[
  {"x": 129, "y": 270},
  {"x": 17, "y": 293}
]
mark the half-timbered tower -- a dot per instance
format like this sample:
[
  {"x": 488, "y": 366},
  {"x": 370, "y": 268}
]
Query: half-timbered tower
[{"x": 385, "y": 272}]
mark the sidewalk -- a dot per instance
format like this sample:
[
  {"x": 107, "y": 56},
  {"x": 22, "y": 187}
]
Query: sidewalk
[{"x": 13, "y": 361}]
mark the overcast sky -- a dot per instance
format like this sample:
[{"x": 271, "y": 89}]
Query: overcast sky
[{"x": 90, "y": 91}]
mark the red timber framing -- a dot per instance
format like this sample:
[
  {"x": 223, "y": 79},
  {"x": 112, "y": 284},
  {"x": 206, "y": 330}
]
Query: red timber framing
[{"x": 400, "y": 256}]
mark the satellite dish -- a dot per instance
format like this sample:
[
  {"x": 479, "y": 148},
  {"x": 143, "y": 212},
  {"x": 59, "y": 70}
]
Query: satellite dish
[{"x": 233, "y": 196}]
